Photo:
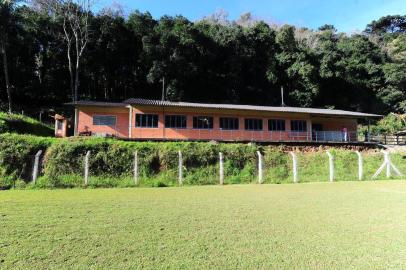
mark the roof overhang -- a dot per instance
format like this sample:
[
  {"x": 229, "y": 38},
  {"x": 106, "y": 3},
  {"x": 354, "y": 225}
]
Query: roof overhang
[
  {"x": 310, "y": 111},
  {"x": 158, "y": 103},
  {"x": 96, "y": 104}
]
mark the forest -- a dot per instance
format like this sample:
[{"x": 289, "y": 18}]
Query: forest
[{"x": 49, "y": 58}]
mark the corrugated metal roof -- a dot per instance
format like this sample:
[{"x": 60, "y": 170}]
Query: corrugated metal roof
[
  {"x": 97, "y": 103},
  {"x": 149, "y": 102}
]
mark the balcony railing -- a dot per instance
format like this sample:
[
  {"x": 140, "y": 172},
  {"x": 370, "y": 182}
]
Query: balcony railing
[{"x": 225, "y": 135}]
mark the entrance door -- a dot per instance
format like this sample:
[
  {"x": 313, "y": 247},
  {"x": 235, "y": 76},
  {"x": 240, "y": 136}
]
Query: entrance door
[{"x": 317, "y": 134}]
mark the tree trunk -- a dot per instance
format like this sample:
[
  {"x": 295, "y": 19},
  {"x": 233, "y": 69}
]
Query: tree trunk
[
  {"x": 7, "y": 79},
  {"x": 72, "y": 89},
  {"x": 77, "y": 79},
  {"x": 77, "y": 69}
]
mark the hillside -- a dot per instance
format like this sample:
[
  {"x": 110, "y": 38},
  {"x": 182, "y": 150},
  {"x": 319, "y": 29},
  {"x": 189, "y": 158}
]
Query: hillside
[{"x": 16, "y": 123}]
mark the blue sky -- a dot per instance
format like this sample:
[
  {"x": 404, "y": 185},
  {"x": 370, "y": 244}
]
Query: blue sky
[{"x": 345, "y": 15}]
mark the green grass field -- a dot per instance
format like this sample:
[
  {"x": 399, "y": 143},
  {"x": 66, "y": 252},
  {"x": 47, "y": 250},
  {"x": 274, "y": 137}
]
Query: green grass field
[{"x": 343, "y": 225}]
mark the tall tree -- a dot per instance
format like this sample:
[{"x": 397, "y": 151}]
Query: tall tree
[
  {"x": 387, "y": 24},
  {"x": 75, "y": 16},
  {"x": 7, "y": 25}
]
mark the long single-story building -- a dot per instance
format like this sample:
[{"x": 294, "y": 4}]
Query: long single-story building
[{"x": 144, "y": 119}]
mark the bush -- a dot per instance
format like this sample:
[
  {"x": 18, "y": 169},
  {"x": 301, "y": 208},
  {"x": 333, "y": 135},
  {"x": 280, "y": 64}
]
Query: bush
[
  {"x": 111, "y": 163},
  {"x": 387, "y": 125},
  {"x": 16, "y": 156}
]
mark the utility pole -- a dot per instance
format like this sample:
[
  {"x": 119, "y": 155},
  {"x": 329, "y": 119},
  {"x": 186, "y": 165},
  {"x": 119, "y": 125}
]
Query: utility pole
[
  {"x": 163, "y": 88},
  {"x": 283, "y": 102}
]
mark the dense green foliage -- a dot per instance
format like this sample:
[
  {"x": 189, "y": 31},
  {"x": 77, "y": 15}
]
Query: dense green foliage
[
  {"x": 16, "y": 123},
  {"x": 211, "y": 60},
  {"x": 390, "y": 124},
  {"x": 16, "y": 154},
  {"x": 343, "y": 225},
  {"x": 111, "y": 162}
]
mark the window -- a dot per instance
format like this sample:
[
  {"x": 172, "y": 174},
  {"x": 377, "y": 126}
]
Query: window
[
  {"x": 276, "y": 125},
  {"x": 253, "y": 124},
  {"x": 175, "y": 121},
  {"x": 227, "y": 123},
  {"x": 202, "y": 122},
  {"x": 104, "y": 120},
  {"x": 58, "y": 124},
  {"x": 298, "y": 125},
  {"x": 146, "y": 120}
]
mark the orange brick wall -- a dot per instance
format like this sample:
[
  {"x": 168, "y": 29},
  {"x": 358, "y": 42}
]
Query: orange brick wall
[{"x": 85, "y": 123}]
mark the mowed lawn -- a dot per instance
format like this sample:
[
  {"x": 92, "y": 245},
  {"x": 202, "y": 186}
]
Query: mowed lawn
[{"x": 343, "y": 225}]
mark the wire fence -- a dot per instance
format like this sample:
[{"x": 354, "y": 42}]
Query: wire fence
[{"x": 223, "y": 168}]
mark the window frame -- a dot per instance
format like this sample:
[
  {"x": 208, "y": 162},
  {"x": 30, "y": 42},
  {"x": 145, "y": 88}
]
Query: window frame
[
  {"x": 59, "y": 125},
  {"x": 303, "y": 121},
  {"x": 210, "y": 125},
  {"x": 277, "y": 121},
  {"x": 176, "y": 116},
  {"x": 147, "y": 120},
  {"x": 104, "y": 115},
  {"x": 260, "y": 120},
  {"x": 230, "y": 122}
]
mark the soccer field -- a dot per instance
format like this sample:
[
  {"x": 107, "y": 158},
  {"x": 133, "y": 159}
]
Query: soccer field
[{"x": 343, "y": 225}]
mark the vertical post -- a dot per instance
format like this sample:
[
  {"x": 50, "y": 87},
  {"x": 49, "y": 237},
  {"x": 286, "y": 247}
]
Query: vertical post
[
  {"x": 75, "y": 125},
  {"x": 387, "y": 162},
  {"x": 331, "y": 166},
  {"x": 221, "y": 168},
  {"x": 260, "y": 167},
  {"x": 36, "y": 166},
  {"x": 360, "y": 166},
  {"x": 136, "y": 182},
  {"x": 369, "y": 129},
  {"x": 180, "y": 168},
  {"x": 87, "y": 168},
  {"x": 130, "y": 122},
  {"x": 294, "y": 161}
]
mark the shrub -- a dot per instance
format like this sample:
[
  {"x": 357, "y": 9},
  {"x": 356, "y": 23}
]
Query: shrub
[
  {"x": 111, "y": 163},
  {"x": 16, "y": 156},
  {"x": 277, "y": 166}
]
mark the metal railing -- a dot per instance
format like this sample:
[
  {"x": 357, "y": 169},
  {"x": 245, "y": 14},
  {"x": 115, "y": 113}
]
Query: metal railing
[
  {"x": 223, "y": 135},
  {"x": 388, "y": 139}
]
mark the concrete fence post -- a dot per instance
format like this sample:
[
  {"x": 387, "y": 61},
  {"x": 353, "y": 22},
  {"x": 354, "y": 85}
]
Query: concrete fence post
[
  {"x": 360, "y": 166},
  {"x": 180, "y": 168},
  {"x": 331, "y": 166},
  {"x": 388, "y": 165},
  {"x": 36, "y": 166},
  {"x": 221, "y": 159},
  {"x": 136, "y": 180},
  {"x": 387, "y": 161},
  {"x": 260, "y": 167},
  {"x": 87, "y": 168},
  {"x": 294, "y": 161}
]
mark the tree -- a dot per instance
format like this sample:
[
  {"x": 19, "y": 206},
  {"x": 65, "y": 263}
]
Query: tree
[
  {"x": 75, "y": 16},
  {"x": 387, "y": 24},
  {"x": 7, "y": 25},
  {"x": 296, "y": 72}
]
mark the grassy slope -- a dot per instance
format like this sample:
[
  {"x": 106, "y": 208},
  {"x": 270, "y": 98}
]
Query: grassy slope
[
  {"x": 344, "y": 225},
  {"x": 23, "y": 125}
]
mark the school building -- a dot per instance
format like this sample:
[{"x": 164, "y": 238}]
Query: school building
[{"x": 144, "y": 119}]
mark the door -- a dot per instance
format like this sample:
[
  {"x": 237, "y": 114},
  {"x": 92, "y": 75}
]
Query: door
[{"x": 317, "y": 134}]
